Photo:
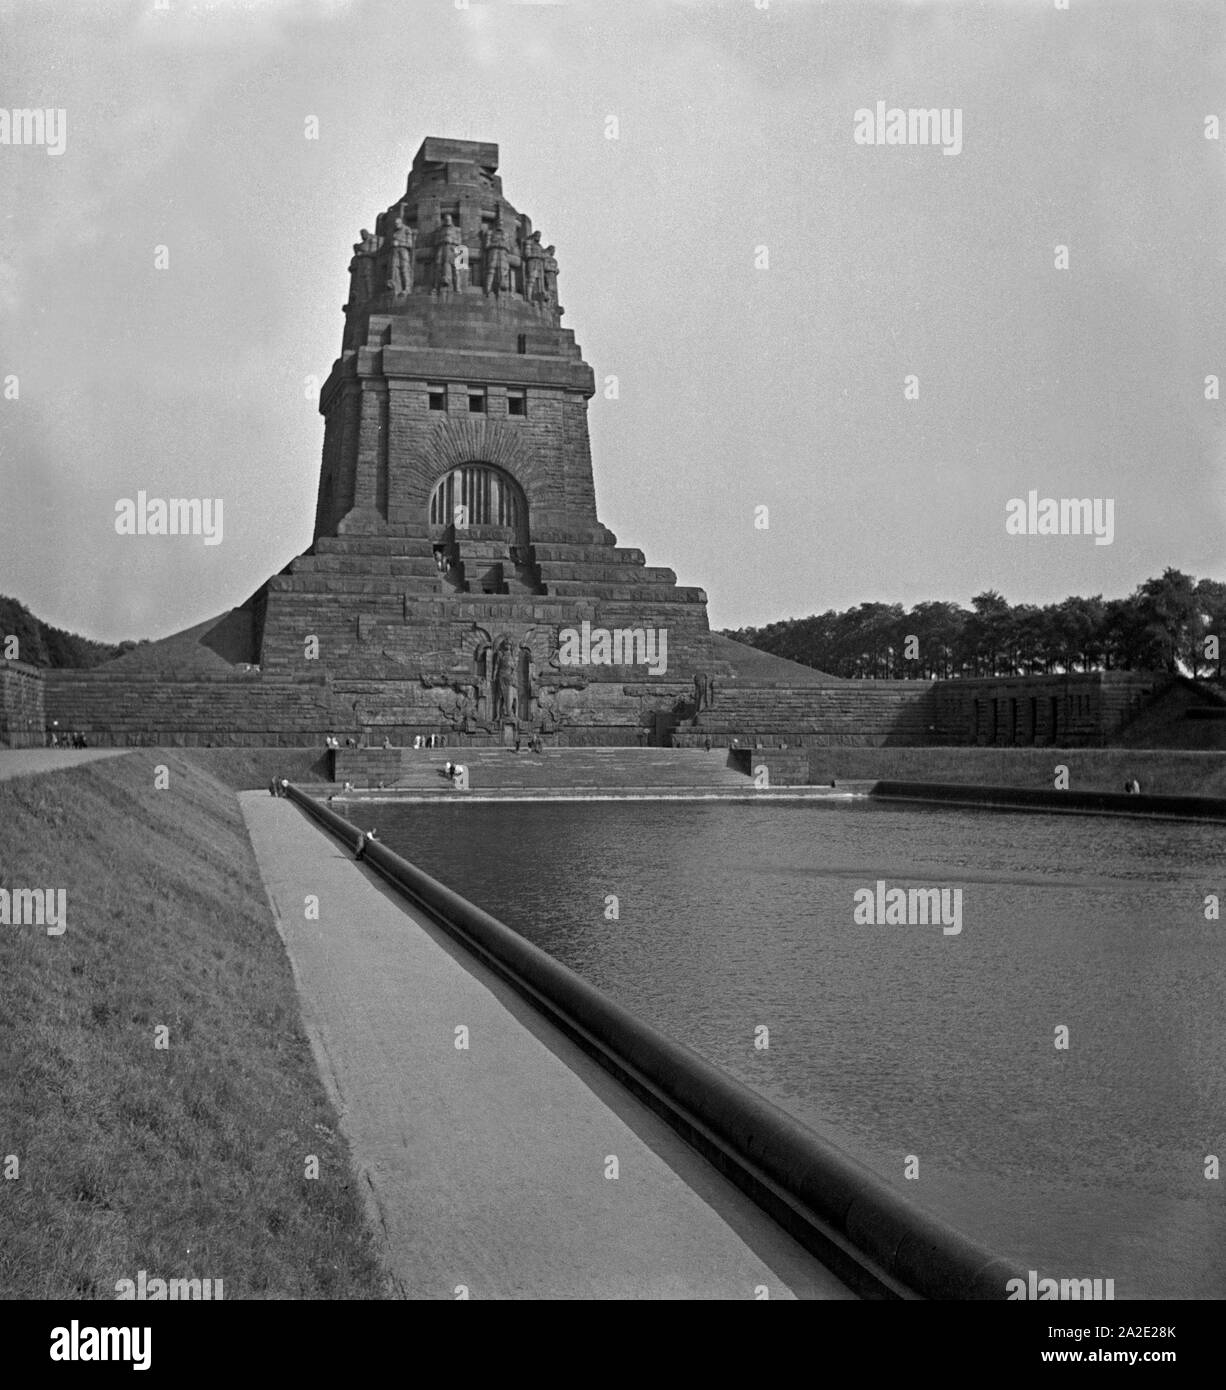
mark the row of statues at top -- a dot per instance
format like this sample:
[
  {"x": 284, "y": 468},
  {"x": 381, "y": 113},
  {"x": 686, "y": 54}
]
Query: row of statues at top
[{"x": 450, "y": 257}]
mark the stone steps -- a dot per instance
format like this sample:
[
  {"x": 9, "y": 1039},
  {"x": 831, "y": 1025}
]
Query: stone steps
[
  {"x": 588, "y": 554},
  {"x": 354, "y": 573},
  {"x": 588, "y": 768},
  {"x": 564, "y": 571},
  {"x": 366, "y": 546},
  {"x": 633, "y": 592}
]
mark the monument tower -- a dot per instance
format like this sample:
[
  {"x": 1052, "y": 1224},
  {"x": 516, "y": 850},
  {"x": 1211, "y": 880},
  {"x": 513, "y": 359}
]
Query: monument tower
[{"x": 457, "y": 553}]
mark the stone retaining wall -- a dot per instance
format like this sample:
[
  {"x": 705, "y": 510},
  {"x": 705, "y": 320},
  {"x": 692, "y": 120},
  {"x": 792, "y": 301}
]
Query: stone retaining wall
[{"x": 23, "y": 721}]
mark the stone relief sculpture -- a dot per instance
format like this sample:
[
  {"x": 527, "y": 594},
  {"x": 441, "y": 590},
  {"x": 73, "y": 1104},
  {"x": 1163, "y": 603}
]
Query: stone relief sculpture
[
  {"x": 469, "y": 705},
  {"x": 482, "y": 673},
  {"x": 505, "y": 694},
  {"x": 526, "y": 678},
  {"x": 503, "y": 684}
]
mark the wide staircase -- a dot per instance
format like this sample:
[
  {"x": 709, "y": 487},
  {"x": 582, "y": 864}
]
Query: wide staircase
[
  {"x": 400, "y": 604},
  {"x": 591, "y": 770},
  {"x": 484, "y": 559},
  {"x": 851, "y": 711}
]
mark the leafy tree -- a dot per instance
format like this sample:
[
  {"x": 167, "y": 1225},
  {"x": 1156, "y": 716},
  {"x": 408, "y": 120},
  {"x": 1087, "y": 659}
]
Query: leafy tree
[
  {"x": 1211, "y": 604},
  {"x": 40, "y": 644},
  {"x": 1168, "y": 609}
]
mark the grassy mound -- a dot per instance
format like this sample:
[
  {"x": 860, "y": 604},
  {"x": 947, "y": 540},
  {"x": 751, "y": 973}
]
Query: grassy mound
[
  {"x": 251, "y": 769},
  {"x": 187, "y": 1161}
]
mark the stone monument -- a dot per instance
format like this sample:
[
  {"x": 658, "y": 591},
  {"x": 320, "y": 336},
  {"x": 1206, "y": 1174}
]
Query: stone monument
[{"x": 457, "y": 555}]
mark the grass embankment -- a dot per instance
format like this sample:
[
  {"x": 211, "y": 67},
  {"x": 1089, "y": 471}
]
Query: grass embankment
[
  {"x": 251, "y": 769},
  {"x": 185, "y": 1162},
  {"x": 1160, "y": 771}
]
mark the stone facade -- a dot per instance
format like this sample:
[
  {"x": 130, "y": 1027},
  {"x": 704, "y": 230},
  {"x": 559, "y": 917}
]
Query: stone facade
[
  {"x": 137, "y": 709},
  {"x": 1088, "y": 710}
]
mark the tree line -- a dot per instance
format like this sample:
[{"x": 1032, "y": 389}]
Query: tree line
[
  {"x": 1174, "y": 623},
  {"x": 40, "y": 644}
]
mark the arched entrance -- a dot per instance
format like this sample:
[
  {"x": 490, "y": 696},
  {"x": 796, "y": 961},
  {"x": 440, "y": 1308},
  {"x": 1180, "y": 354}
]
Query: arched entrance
[
  {"x": 479, "y": 527},
  {"x": 480, "y": 495}
]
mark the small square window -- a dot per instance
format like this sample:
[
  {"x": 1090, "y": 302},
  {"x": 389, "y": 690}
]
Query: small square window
[
  {"x": 476, "y": 403},
  {"x": 438, "y": 397},
  {"x": 517, "y": 403}
]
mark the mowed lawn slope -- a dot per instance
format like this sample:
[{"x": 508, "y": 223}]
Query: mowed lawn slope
[{"x": 187, "y": 1162}]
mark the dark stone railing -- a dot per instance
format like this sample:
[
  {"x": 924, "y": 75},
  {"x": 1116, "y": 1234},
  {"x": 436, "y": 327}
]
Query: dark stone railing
[{"x": 851, "y": 1219}]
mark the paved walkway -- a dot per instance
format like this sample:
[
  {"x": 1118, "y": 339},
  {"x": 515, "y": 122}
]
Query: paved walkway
[
  {"x": 488, "y": 1166},
  {"x": 21, "y": 762}
]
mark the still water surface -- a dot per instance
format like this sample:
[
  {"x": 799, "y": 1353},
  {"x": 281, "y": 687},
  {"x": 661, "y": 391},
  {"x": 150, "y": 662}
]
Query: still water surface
[{"x": 901, "y": 1040}]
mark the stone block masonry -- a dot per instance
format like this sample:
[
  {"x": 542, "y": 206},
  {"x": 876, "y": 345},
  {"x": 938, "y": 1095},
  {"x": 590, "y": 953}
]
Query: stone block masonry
[{"x": 23, "y": 720}]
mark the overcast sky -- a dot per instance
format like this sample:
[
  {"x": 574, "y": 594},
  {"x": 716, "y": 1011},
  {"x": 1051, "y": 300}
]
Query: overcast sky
[{"x": 740, "y": 386}]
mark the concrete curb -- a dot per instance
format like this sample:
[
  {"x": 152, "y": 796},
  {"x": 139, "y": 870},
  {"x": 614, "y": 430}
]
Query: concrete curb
[{"x": 849, "y": 1217}]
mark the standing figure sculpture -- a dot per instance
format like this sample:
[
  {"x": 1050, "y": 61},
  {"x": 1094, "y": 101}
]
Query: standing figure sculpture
[
  {"x": 549, "y": 274},
  {"x": 362, "y": 268},
  {"x": 534, "y": 269},
  {"x": 701, "y": 694},
  {"x": 447, "y": 255},
  {"x": 497, "y": 259},
  {"x": 404, "y": 241},
  {"x": 504, "y": 678}
]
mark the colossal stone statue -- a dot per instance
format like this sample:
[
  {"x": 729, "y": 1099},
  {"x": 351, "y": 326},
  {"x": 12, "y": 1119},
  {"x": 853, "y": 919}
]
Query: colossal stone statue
[
  {"x": 534, "y": 269},
  {"x": 504, "y": 679},
  {"x": 447, "y": 255},
  {"x": 404, "y": 241},
  {"x": 549, "y": 269},
  {"x": 497, "y": 261},
  {"x": 362, "y": 268}
]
